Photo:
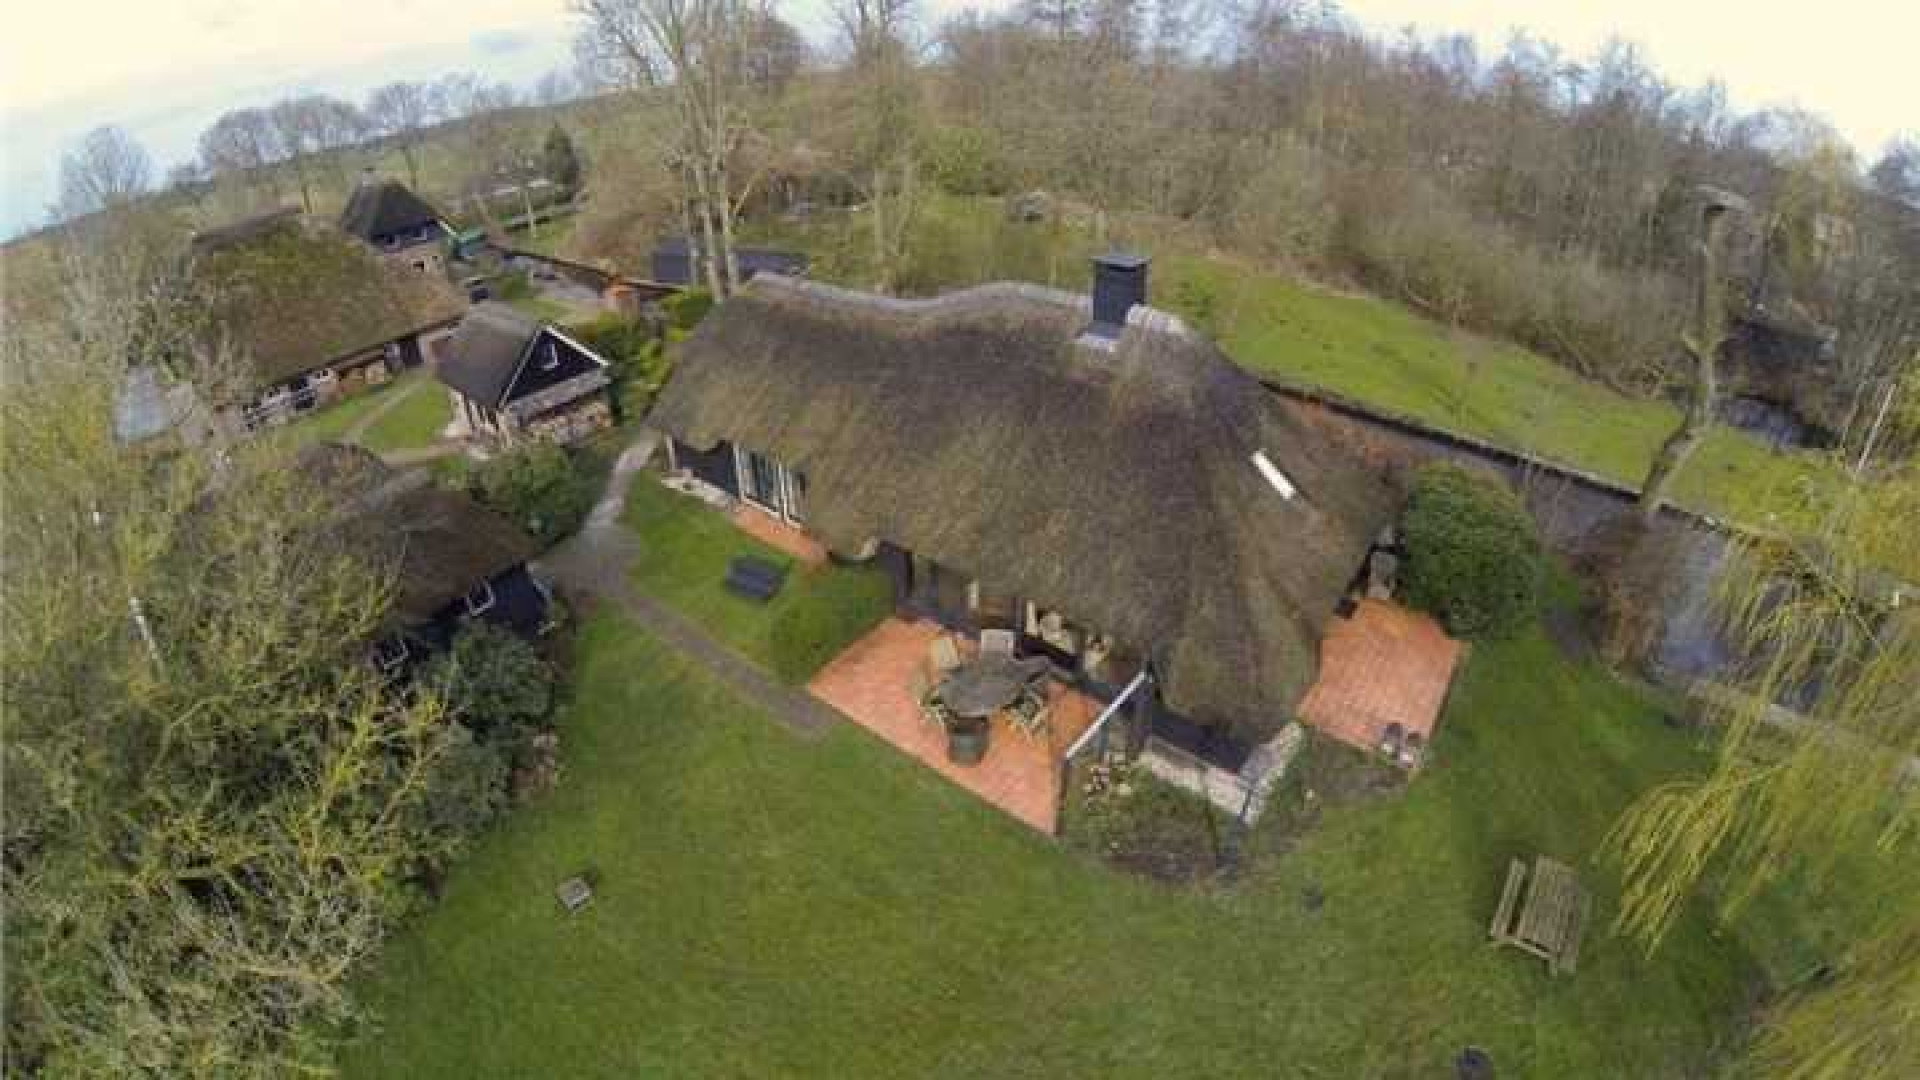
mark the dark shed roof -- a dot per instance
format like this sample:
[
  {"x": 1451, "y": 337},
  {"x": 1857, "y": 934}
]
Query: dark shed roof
[
  {"x": 384, "y": 207},
  {"x": 486, "y": 350},
  {"x": 672, "y": 262},
  {"x": 1115, "y": 480},
  {"x": 439, "y": 544}
]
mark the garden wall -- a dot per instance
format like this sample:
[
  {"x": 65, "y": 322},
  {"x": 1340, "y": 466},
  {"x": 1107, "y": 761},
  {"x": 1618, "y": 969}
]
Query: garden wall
[{"x": 1573, "y": 507}]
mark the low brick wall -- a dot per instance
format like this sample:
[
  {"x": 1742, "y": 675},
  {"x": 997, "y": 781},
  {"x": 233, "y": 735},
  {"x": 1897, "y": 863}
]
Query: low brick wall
[{"x": 1233, "y": 794}]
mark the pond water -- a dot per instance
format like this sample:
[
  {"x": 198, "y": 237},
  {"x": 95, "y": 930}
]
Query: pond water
[{"x": 1777, "y": 425}]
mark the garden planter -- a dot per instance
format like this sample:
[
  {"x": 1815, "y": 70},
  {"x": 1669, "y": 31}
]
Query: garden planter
[{"x": 967, "y": 745}]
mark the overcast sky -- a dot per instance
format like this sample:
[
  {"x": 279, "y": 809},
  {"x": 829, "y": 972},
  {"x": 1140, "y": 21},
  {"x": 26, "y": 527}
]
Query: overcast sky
[{"x": 164, "y": 70}]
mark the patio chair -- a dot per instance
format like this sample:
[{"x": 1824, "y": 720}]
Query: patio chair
[
  {"x": 1391, "y": 740},
  {"x": 997, "y": 643},
  {"x": 1412, "y": 750},
  {"x": 943, "y": 655}
]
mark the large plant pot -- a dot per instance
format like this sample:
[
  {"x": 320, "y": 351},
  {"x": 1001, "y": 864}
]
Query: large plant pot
[{"x": 967, "y": 745}]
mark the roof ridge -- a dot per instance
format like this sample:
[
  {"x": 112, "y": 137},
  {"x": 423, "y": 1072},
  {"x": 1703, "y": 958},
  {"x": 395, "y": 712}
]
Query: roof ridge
[
  {"x": 957, "y": 300},
  {"x": 1141, "y": 317}
]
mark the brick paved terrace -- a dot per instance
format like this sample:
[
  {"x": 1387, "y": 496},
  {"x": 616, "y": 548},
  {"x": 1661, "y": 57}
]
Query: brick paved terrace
[{"x": 873, "y": 684}]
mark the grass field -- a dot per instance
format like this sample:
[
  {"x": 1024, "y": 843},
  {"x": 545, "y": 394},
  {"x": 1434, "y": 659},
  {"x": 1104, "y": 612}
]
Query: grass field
[
  {"x": 416, "y": 421},
  {"x": 687, "y": 546},
  {"x": 1369, "y": 349},
  {"x": 770, "y": 905}
]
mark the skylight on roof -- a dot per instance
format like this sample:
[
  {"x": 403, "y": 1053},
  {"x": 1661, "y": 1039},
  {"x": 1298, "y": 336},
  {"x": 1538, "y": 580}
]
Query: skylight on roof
[{"x": 1273, "y": 474}]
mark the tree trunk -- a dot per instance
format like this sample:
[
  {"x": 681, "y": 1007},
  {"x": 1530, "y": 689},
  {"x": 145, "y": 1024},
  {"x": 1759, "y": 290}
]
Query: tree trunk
[{"x": 1702, "y": 343}]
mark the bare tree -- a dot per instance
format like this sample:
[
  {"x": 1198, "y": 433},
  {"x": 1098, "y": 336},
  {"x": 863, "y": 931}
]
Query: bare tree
[
  {"x": 1702, "y": 345},
  {"x": 877, "y": 35},
  {"x": 699, "y": 51},
  {"x": 108, "y": 169},
  {"x": 401, "y": 111},
  {"x": 243, "y": 145}
]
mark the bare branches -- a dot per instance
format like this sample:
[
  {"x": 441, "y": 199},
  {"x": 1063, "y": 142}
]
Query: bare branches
[{"x": 107, "y": 170}]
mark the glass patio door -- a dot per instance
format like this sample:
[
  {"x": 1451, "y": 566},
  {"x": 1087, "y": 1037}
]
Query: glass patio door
[{"x": 770, "y": 485}]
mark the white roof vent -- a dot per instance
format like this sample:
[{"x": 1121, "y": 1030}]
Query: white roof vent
[{"x": 1273, "y": 474}]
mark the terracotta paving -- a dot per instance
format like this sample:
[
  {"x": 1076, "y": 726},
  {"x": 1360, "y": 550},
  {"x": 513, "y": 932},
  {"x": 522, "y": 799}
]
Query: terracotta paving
[
  {"x": 777, "y": 534},
  {"x": 1383, "y": 665},
  {"x": 872, "y": 683}
]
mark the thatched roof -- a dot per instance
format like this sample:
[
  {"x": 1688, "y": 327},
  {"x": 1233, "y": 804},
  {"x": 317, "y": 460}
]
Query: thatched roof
[
  {"x": 486, "y": 350},
  {"x": 1113, "y": 481},
  {"x": 295, "y": 296},
  {"x": 440, "y": 544},
  {"x": 384, "y": 207}
]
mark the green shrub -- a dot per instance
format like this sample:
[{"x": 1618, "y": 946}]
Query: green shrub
[
  {"x": 465, "y": 789},
  {"x": 540, "y": 487},
  {"x": 686, "y": 309},
  {"x": 1473, "y": 557},
  {"x": 964, "y": 160},
  {"x": 830, "y": 609},
  {"x": 637, "y": 364},
  {"x": 493, "y": 682}
]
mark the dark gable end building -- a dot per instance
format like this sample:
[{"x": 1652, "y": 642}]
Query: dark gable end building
[
  {"x": 389, "y": 217},
  {"x": 1019, "y": 457},
  {"x": 516, "y": 378},
  {"x": 301, "y": 314}
]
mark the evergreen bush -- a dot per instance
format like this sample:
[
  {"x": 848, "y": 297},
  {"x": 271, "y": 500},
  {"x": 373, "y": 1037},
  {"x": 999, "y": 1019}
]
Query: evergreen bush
[{"x": 1473, "y": 555}]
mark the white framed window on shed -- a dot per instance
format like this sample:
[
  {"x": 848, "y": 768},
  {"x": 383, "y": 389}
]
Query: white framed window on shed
[
  {"x": 391, "y": 654},
  {"x": 549, "y": 355},
  {"x": 480, "y": 600}
]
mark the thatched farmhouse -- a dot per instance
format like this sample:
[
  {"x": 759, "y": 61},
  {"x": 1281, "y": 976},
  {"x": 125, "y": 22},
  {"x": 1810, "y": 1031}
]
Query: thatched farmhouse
[
  {"x": 1085, "y": 471},
  {"x": 515, "y": 378},
  {"x": 304, "y": 314},
  {"x": 389, "y": 217}
]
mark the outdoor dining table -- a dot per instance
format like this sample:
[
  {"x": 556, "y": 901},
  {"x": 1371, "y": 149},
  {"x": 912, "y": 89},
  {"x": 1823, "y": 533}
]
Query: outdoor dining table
[{"x": 979, "y": 689}]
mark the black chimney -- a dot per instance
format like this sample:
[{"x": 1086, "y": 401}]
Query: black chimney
[{"x": 1119, "y": 282}]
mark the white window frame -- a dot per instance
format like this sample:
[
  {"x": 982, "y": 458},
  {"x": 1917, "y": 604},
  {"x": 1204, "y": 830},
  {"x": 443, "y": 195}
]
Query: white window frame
[
  {"x": 393, "y": 663},
  {"x": 485, "y": 605},
  {"x": 786, "y": 499}
]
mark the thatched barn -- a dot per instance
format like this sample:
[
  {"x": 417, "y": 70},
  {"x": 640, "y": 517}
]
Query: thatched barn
[
  {"x": 310, "y": 315},
  {"x": 1032, "y": 458},
  {"x": 387, "y": 215}
]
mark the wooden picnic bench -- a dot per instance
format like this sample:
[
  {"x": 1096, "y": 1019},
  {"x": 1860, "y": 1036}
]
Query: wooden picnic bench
[
  {"x": 756, "y": 579},
  {"x": 1543, "y": 912}
]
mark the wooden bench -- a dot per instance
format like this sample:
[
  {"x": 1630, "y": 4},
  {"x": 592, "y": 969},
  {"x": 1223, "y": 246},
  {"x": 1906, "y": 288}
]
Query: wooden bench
[
  {"x": 754, "y": 578},
  {"x": 1543, "y": 912}
]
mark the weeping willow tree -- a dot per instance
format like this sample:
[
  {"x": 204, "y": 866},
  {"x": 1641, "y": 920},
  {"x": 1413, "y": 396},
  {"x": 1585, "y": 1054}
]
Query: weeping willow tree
[{"x": 1825, "y": 623}]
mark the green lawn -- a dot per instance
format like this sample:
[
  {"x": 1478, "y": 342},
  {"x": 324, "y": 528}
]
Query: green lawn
[
  {"x": 416, "y": 421},
  {"x": 545, "y": 310},
  {"x": 552, "y": 235},
  {"x": 331, "y": 423},
  {"x": 687, "y": 547},
  {"x": 771, "y": 905}
]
